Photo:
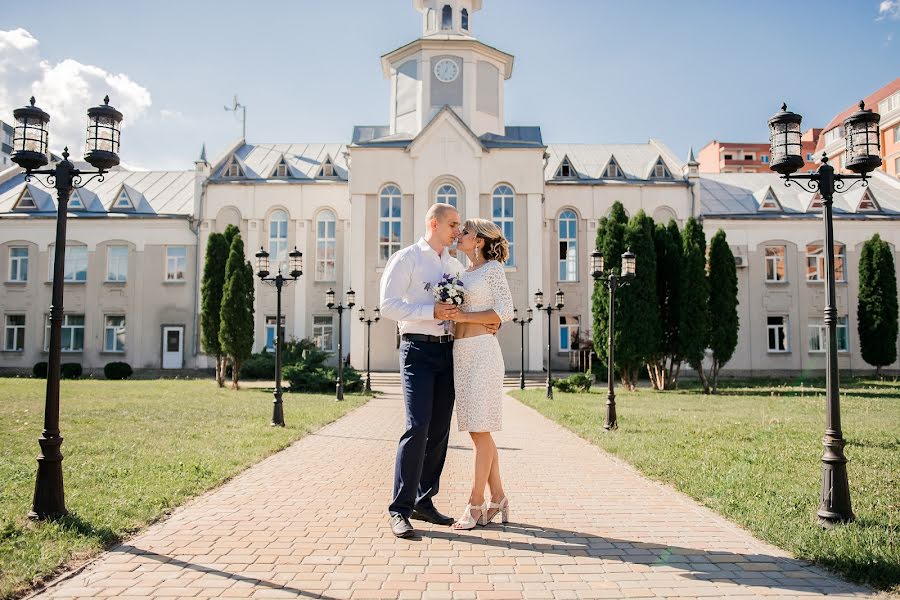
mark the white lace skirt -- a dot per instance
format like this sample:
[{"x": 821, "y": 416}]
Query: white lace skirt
[{"x": 478, "y": 377}]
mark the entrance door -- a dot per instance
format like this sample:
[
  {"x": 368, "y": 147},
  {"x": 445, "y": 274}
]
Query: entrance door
[{"x": 173, "y": 347}]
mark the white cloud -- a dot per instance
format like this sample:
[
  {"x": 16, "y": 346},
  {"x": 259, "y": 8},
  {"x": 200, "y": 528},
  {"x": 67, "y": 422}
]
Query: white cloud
[
  {"x": 889, "y": 9},
  {"x": 65, "y": 90}
]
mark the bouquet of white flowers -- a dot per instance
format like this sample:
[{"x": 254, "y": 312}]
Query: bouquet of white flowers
[{"x": 449, "y": 290}]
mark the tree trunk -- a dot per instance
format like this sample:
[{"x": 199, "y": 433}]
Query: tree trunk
[
  {"x": 235, "y": 370},
  {"x": 674, "y": 372},
  {"x": 220, "y": 370},
  {"x": 702, "y": 374},
  {"x": 878, "y": 373},
  {"x": 714, "y": 376}
]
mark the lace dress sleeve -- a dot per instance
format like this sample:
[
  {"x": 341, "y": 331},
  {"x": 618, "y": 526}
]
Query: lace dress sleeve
[{"x": 503, "y": 304}]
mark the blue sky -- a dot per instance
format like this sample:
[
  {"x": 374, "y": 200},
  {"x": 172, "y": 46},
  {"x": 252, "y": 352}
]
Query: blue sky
[{"x": 585, "y": 71}]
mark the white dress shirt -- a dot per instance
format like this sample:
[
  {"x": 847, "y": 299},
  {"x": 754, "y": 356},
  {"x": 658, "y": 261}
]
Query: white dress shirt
[{"x": 403, "y": 295}]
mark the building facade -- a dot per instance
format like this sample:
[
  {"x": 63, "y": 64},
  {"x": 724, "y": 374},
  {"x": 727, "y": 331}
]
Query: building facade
[
  {"x": 735, "y": 157},
  {"x": 137, "y": 240}
]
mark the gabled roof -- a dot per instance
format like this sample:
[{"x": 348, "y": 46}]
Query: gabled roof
[
  {"x": 288, "y": 171},
  {"x": 123, "y": 200},
  {"x": 327, "y": 164},
  {"x": 566, "y": 170},
  {"x": 609, "y": 164},
  {"x": 590, "y": 160},
  {"x": 447, "y": 113},
  {"x": 658, "y": 162},
  {"x": 767, "y": 200},
  {"x": 258, "y": 161},
  {"x": 379, "y": 136},
  {"x": 26, "y": 200}
]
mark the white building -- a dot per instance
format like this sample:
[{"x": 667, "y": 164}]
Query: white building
[{"x": 349, "y": 205}]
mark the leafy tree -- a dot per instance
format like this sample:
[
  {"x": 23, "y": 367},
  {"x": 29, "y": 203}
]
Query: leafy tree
[
  {"x": 637, "y": 312},
  {"x": 693, "y": 322},
  {"x": 876, "y": 312},
  {"x": 610, "y": 241},
  {"x": 236, "y": 316},
  {"x": 723, "y": 303},
  {"x": 665, "y": 365},
  {"x": 211, "y": 300}
]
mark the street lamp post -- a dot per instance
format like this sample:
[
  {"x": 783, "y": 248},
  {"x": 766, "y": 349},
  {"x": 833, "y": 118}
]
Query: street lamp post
[
  {"x": 539, "y": 304},
  {"x": 613, "y": 282},
  {"x": 376, "y": 316},
  {"x": 522, "y": 323},
  {"x": 279, "y": 280},
  {"x": 863, "y": 155},
  {"x": 30, "y": 147},
  {"x": 340, "y": 308}
]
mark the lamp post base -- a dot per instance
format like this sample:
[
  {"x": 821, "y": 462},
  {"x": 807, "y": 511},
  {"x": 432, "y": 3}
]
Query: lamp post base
[
  {"x": 49, "y": 496},
  {"x": 611, "y": 421},
  {"x": 834, "y": 507},
  {"x": 277, "y": 411},
  {"x": 339, "y": 392}
]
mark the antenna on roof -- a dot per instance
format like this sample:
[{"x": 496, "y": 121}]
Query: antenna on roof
[{"x": 234, "y": 109}]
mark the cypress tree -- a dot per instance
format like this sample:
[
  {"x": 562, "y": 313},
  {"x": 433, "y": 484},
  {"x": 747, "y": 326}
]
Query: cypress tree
[
  {"x": 638, "y": 328},
  {"x": 610, "y": 242},
  {"x": 693, "y": 322},
  {"x": 723, "y": 303},
  {"x": 236, "y": 316},
  {"x": 211, "y": 299},
  {"x": 665, "y": 365},
  {"x": 876, "y": 313}
]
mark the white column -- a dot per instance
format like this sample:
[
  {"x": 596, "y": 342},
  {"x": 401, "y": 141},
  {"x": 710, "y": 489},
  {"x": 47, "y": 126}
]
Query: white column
[
  {"x": 535, "y": 281},
  {"x": 300, "y": 286},
  {"x": 357, "y": 258}
]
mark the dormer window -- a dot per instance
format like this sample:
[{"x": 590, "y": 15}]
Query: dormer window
[
  {"x": 465, "y": 19},
  {"x": 447, "y": 17},
  {"x": 660, "y": 171},
  {"x": 327, "y": 169},
  {"x": 612, "y": 169},
  {"x": 769, "y": 201},
  {"x": 867, "y": 203},
  {"x": 75, "y": 202},
  {"x": 26, "y": 200},
  {"x": 816, "y": 203},
  {"x": 123, "y": 200},
  {"x": 281, "y": 169},
  {"x": 565, "y": 170},
  {"x": 233, "y": 169}
]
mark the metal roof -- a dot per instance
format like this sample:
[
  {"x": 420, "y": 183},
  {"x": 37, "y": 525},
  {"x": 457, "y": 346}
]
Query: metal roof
[
  {"x": 304, "y": 161},
  {"x": 636, "y": 161}
]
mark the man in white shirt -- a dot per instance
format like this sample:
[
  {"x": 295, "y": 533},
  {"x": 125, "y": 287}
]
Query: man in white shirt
[{"x": 426, "y": 366}]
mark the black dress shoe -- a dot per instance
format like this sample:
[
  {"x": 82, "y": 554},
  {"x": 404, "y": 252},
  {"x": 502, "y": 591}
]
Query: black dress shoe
[
  {"x": 401, "y": 527},
  {"x": 432, "y": 516}
]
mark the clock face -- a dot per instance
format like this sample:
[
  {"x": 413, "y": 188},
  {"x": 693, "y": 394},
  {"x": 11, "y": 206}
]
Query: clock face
[{"x": 446, "y": 70}]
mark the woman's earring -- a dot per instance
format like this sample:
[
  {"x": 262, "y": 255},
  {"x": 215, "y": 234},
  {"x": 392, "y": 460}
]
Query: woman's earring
[{"x": 476, "y": 252}]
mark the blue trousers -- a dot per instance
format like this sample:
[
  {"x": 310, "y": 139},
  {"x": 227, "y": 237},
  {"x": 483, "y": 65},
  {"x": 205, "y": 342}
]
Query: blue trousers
[{"x": 426, "y": 371}]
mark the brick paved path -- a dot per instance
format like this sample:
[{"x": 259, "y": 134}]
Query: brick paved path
[{"x": 309, "y": 522}]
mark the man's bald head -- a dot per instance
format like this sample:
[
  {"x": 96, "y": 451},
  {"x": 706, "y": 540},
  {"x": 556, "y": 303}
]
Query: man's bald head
[
  {"x": 441, "y": 225},
  {"x": 440, "y": 211}
]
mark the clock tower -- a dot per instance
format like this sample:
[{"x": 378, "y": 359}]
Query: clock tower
[{"x": 447, "y": 66}]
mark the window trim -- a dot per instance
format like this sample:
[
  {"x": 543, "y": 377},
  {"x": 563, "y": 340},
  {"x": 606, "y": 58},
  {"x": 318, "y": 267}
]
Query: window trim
[
  {"x": 785, "y": 325},
  {"x": 569, "y": 252},
  {"x": 499, "y": 193},
  {"x": 330, "y": 325},
  {"x": 52, "y": 260},
  {"x": 65, "y": 325},
  {"x": 775, "y": 260},
  {"x": 444, "y": 197},
  {"x": 576, "y": 326},
  {"x": 107, "y": 328},
  {"x": 175, "y": 272},
  {"x": 822, "y": 335},
  {"x": 389, "y": 220},
  {"x": 17, "y": 330},
  {"x": 278, "y": 245},
  {"x": 18, "y": 260},
  {"x": 109, "y": 258},
  {"x": 332, "y": 240},
  {"x": 839, "y": 255}
]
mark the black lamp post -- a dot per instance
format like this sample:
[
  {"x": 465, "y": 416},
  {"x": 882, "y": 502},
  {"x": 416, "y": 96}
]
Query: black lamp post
[
  {"x": 376, "y": 316},
  {"x": 522, "y": 323},
  {"x": 613, "y": 282},
  {"x": 340, "y": 308},
  {"x": 262, "y": 271},
  {"x": 863, "y": 155},
  {"x": 539, "y": 304},
  {"x": 30, "y": 149}
]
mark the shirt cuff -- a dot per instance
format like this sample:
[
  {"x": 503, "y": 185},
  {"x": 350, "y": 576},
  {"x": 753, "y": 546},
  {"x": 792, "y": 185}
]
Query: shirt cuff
[{"x": 426, "y": 312}]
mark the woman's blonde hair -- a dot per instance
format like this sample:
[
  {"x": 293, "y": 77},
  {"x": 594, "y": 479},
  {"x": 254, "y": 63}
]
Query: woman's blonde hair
[{"x": 495, "y": 245}]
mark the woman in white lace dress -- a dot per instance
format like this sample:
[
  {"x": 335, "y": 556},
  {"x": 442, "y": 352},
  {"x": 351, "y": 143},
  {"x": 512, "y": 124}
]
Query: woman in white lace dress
[{"x": 478, "y": 364}]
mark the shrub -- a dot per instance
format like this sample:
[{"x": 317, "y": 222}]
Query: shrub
[
  {"x": 579, "y": 382},
  {"x": 117, "y": 370},
  {"x": 321, "y": 380},
  {"x": 70, "y": 370},
  {"x": 259, "y": 366},
  {"x": 40, "y": 370}
]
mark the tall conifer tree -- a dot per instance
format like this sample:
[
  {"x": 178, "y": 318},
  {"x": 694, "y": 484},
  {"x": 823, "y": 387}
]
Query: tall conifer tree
[
  {"x": 693, "y": 322},
  {"x": 236, "y": 317},
  {"x": 665, "y": 365},
  {"x": 211, "y": 289},
  {"x": 876, "y": 313},
  {"x": 723, "y": 303}
]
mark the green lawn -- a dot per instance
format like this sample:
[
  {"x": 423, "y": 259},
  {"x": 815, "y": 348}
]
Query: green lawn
[
  {"x": 752, "y": 454},
  {"x": 133, "y": 450}
]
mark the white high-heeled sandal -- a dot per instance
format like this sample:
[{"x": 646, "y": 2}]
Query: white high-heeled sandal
[
  {"x": 502, "y": 509},
  {"x": 467, "y": 521}
]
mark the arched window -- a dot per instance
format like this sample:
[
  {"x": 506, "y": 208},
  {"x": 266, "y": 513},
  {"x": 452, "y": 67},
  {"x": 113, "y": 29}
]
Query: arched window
[
  {"x": 465, "y": 19},
  {"x": 278, "y": 242},
  {"x": 389, "y": 222},
  {"x": 326, "y": 246},
  {"x": 447, "y": 17},
  {"x": 448, "y": 195},
  {"x": 568, "y": 246},
  {"x": 503, "y": 215}
]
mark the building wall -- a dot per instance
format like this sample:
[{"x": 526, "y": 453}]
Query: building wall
[{"x": 713, "y": 157}]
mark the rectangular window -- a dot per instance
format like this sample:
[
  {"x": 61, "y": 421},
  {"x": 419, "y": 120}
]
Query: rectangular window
[
  {"x": 72, "y": 333},
  {"x": 503, "y": 216},
  {"x": 749, "y": 157},
  {"x": 323, "y": 333},
  {"x": 809, "y": 157},
  {"x": 114, "y": 334},
  {"x": 117, "y": 263},
  {"x": 14, "y": 336},
  {"x": 815, "y": 262},
  {"x": 728, "y": 157},
  {"x": 271, "y": 333},
  {"x": 76, "y": 263},
  {"x": 775, "y": 263},
  {"x": 817, "y": 335},
  {"x": 18, "y": 263},
  {"x": 764, "y": 159},
  {"x": 568, "y": 332},
  {"x": 778, "y": 334},
  {"x": 176, "y": 263},
  {"x": 568, "y": 246},
  {"x": 897, "y": 134},
  {"x": 326, "y": 248}
]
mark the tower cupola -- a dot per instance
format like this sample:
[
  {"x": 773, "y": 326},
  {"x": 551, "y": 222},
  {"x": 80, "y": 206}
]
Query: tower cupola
[{"x": 447, "y": 17}]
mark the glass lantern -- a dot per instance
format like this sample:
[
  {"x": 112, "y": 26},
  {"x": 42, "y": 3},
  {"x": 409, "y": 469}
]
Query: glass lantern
[
  {"x": 786, "y": 149},
  {"x": 560, "y": 299},
  {"x": 377, "y": 315},
  {"x": 596, "y": 264},
  {"x": 296, "y": 258},
  {"x": 863, "y": 140},
  {"x": 629, "y": 264},
  {"x": 351, "y": 298},
  {"x": 262, "y": 263},
  {"x": 103, "y": 136},
  {"x": 515, "y": 315},
  {"x": 539, "y": 299},
  {"x": 362, "y": 315},
  {"x": 530, "y": 314},
  {"x": 30, "y": 137},
  {"x": 329, "y": 298}
]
